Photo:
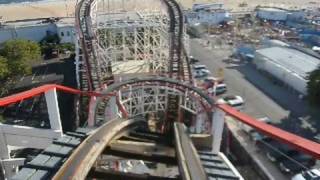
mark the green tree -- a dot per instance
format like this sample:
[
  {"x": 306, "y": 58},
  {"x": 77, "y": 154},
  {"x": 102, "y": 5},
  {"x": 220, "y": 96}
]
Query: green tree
[
  {"x": 21, "y": 55},
  {"x": 313, "y": 87},
  {"x": 53, "y": 38},
  {"x": 4, "y": 70}
]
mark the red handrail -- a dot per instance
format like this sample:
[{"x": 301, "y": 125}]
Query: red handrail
[
  {"x": 293, "y": 140},
  {"x": 42, "y": 89},
  {"x": 300, "y": 143}
]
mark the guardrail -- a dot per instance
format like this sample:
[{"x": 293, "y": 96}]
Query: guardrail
[
  {"x": 302, "y": 144},
  {"x": 42, "y": 89}
]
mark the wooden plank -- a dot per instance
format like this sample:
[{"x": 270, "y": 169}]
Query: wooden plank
[
  {"x": 142, "y": 151},
  {"x": 117, "y": 175}
]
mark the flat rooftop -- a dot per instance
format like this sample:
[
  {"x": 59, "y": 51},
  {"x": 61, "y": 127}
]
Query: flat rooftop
[
  {"x": 291, "y": 59},
  {"x": 63, "y": 21},
  {"x": 272, "y": 9}
]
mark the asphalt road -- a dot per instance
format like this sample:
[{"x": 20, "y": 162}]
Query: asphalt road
[{"x": 257, "y": 104}]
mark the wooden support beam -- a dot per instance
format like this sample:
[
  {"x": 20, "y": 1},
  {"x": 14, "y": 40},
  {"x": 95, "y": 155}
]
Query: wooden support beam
[
  {"x": 202, "y": 141},
  {"x": 99, "y": 173},
  {"x": 142, "y": 151},
  {"x": 155, "y": 137}
]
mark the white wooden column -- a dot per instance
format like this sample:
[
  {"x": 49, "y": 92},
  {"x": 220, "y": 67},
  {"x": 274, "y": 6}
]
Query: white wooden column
[
  {"x": 217, "y": 129},
  {"x": 4, "y": 155},
  {"x": 53, "y": 110},
  {"x": 92, "y": 107}
]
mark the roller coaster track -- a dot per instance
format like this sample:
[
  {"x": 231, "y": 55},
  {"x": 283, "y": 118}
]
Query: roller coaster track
[
  {"x": 91, "y": 78},
  {"x": 105, "y": 140},
  {"x": 76, "y": 154},
  {"x": 92, "y": 73},
  {"x": 179, "y": 67}
]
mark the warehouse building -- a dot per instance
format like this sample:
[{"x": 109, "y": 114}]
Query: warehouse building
[
  {"x": 291, "y": 66},
  {"x": 37, "y": 29},
  {"x": 280, "y": 14},
  {"x": 210, "y": 14},
  {"x": 273, "y": 14}
]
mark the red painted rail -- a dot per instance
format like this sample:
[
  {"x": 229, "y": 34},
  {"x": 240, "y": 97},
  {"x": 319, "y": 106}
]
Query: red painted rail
[
  {"x": 300, "y": 143},
  {"x": 42, "y": 89}
]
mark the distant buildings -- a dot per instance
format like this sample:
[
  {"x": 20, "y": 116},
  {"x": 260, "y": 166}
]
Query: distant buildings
[
  {"x": 37, "y": 29},
  {"x": 211, "y": 14},
  {"x": 279, "y": 14},
  {"x": 289, "y": 65}
]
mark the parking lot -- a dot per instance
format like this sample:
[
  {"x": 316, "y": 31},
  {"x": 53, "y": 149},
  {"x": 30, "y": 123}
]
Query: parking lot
[{"x": 258, "y": 102}]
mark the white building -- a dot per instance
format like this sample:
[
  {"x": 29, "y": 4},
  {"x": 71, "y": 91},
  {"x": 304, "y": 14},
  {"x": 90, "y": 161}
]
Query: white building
[
  {"x": 289, "y": 65},
  {"x": 272, "y": 14},
  {"x": 36, "y": 30},
  {"x": 280, "y": 14},
  {"x": 65, "y": 30},
  {"x": 202, "y": 6},
  {"x": 210, "y": 14}
]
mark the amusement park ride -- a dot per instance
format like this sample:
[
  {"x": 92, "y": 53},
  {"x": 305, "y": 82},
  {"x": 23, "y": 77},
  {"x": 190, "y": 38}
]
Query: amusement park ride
[{"x": 133, "y": 72}]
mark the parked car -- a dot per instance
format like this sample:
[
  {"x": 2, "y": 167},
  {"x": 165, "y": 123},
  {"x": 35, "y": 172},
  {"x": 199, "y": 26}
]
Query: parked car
[
  {"x": 297, "y": 163},
  {"x": 278, "y": 151},
  {"x": 201, "y": 73},
  {"x": 213, "y": 79},
  {"x": 234, "y": 101},
  {"x": 210, "y": 81},
  {"x": 275, "y": 150},
  {"x": 249, "y": 129},
  {"x": 193, "y": 60},
  {"x": 205, "y": 71},
  {"x": 312, "y": 174},
  {"x": 219, "y": 89},
  {"x": 288, "y": 158},
  {"x": 199, "y": 67}
]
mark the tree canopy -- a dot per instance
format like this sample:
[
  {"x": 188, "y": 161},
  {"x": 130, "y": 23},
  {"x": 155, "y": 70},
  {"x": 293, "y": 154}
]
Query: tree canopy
[
  {"x": 20, "y": 55},
  {"x": 313, "y": 87},
  {"x": 4, "y": 70}
]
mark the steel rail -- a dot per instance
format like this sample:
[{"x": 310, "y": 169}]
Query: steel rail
[
  {"x": 78, "y": 24},
  {"x": 190, "y": 166},
  {"x": 80, "y": 162}
]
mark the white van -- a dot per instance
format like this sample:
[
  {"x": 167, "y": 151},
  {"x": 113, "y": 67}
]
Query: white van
[{"x": 219, "y": 89}]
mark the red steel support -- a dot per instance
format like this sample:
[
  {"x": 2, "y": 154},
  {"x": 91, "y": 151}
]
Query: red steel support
[{"x": 302, "y": 144}]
